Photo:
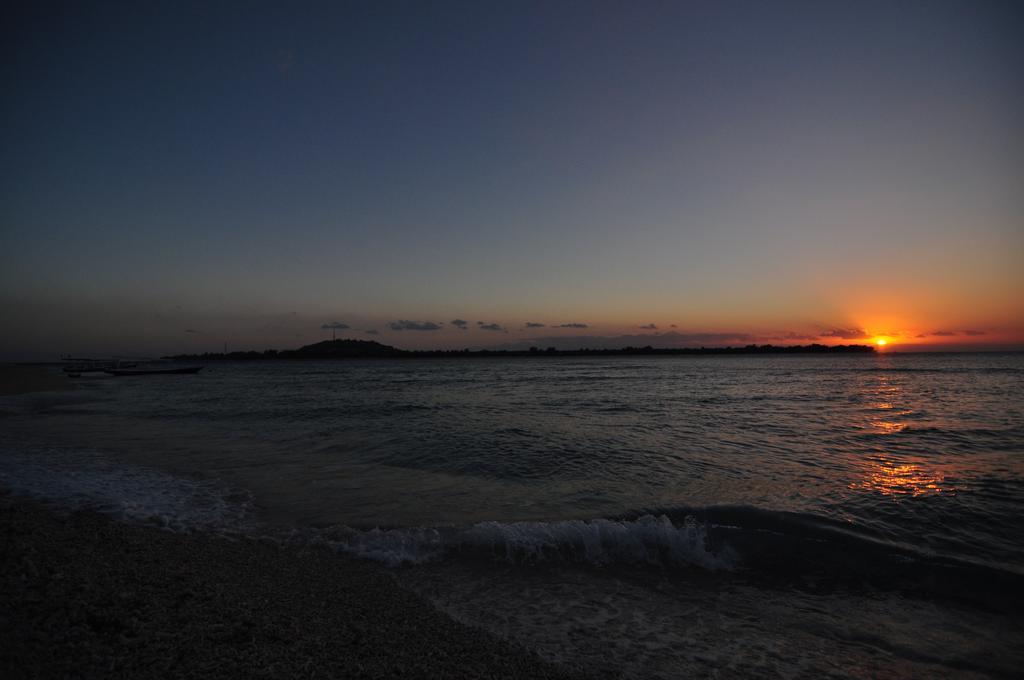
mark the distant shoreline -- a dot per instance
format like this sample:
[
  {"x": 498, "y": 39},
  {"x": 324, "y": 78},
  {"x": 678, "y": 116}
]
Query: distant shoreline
[{"x": 368, "y": 349}]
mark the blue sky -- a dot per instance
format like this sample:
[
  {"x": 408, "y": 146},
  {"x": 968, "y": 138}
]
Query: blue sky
[{"x": 252, "y": 171}]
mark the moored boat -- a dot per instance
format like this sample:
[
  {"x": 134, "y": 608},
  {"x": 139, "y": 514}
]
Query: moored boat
[{"x": 76, "y": 367}]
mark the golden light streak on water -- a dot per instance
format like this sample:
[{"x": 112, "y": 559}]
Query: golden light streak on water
[{"x": 901, "y": 480}]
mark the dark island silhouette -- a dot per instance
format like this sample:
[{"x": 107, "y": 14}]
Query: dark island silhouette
[{"x": 369, "y": 349}]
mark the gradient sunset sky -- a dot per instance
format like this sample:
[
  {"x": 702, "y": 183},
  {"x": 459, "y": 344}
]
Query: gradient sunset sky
[{"x": 180, "y": 175}]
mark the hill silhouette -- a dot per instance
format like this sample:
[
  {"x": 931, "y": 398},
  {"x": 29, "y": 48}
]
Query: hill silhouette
[{"x": 347, "y": 348}]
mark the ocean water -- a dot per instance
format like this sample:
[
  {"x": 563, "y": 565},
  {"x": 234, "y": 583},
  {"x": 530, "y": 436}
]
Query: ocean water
[{"x": 648, "y": 517}]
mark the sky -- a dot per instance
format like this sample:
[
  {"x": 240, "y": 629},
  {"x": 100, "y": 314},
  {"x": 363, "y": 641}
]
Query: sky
[{"x": 182, "y": 176}]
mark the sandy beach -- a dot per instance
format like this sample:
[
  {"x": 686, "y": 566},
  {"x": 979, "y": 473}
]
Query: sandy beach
[
  {"x": 21, "y": 379},
  {"x": 85, "y": 597}
]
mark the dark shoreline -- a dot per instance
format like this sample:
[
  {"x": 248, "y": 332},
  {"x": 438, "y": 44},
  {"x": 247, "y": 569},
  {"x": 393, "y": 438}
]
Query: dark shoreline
[
  {"x": 86, "y": 597},
  {"x": 368, "y": 349}
]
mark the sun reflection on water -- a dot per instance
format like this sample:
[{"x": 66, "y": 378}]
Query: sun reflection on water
[
  {"x": 901, "y": 480},
  {"x": 889, "y": 427},
  {"x": 887, "y": 413},
  {"x": 884, "y": 394}
]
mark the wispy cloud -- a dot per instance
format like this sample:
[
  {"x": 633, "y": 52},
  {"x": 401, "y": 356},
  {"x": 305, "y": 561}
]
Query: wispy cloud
[
  {"x": 334, "y": 326},
  {"x": 489, "y": 326},
  {"x": 845, "y": 333},
  {"x": 667, "y": 339},
  {"x": 372, "y": 331},
  {"x": 950, "y": 334},
  {"x": 792, "y": 335},
  {"x": 532, "y": 324},
  {"x": 191, "y": 330},
  {"x": 573, "y": 325},
  {"x": 459, "y": 323},
  {"x": 406, "y": 325},
  {"x": 650, "y": 327}
]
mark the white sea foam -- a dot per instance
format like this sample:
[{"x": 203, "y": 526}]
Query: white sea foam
[
  {"x": 80, "y": 479},
  {"x": 647, "y": 540},
  {"x": 393, "y": 546}
]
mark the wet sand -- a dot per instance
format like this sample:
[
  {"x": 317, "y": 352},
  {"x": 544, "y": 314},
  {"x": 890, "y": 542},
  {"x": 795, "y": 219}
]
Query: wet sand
[
  {"x": 20, "y": 379},
  {"x": 82, "y": 596}
]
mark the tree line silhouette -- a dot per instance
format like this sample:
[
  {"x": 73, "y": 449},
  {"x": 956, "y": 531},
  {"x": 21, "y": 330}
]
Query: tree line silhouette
[{"x": 369, "y": 349}]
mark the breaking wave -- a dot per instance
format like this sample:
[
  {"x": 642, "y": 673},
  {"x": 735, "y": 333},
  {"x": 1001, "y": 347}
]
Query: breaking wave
[
  {"x": 778, "y": 548},
  {"x": 646, "y": 540},
  {"x": 81, "y": 479}
]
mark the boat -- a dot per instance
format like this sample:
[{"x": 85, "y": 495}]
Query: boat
[
  {"x": 178, "y": 370},
  {"x": 76, "y": 367}
]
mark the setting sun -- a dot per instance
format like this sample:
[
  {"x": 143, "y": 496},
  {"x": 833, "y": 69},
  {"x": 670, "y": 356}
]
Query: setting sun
[{"x": 881, "y": 342}]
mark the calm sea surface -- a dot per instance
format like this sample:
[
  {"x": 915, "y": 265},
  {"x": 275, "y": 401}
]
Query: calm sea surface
[{"x": 659, "y": 517}]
